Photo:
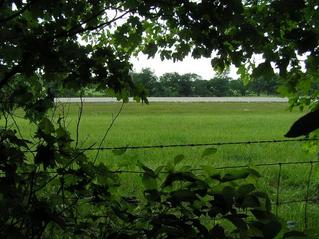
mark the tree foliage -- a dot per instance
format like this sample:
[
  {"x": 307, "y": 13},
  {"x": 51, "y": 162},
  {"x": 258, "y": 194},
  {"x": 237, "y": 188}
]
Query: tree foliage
[
  {"x": 49, "y": 186},
  {"x": 41, "y": 40},
  {"x": 177, "y": 85}
]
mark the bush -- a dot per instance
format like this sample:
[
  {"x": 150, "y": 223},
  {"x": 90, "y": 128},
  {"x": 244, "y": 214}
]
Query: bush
[{"x": 56, "y": 190}]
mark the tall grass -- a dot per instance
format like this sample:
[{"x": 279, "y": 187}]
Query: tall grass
[{"x": 186, "y": 123}]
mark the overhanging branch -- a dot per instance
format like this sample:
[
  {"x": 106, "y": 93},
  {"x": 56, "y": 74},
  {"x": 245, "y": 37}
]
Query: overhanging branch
[
  {"x": 14, "y": 15},
  {"x": 70, "y": 33}
]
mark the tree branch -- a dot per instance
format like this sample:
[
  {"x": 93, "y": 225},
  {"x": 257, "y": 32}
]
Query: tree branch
[
  {"x": 108, "y": 22},
  {"x": 6, "y": 119},
  {"x": 14, "y": 15},
  {"x": 108, "y": 130},
  {"x": 79, "y": 120},
  {"x": 92, "y": 28},
  {"x": 65, "y": 167},
  {"x": 86, "y": 20}
]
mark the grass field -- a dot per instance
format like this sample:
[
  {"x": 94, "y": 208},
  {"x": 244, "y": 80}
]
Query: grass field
[{"x": 187, "y": 123}]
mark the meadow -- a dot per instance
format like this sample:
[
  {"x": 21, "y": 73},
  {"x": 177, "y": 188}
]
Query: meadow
[{"x": 191, "y": 123}]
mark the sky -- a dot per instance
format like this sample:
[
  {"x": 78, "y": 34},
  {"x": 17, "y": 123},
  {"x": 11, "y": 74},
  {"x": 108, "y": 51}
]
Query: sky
[{"x": 200, "y": 66}]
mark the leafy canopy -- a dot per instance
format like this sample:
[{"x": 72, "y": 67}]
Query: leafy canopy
[{"x": 46, "y": 45}]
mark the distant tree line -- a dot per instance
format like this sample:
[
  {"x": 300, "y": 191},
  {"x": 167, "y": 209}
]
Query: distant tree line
[
  {"x": 190, "y": 84},
  {"x": 175, "y": 84}
]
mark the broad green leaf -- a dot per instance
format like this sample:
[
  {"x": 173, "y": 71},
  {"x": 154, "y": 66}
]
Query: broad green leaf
[
  {"x": 218, "y": 232},
  {"x": 238, "y": 221},
  {"x": 158, "y": 170},
  {"x": 254, "y": 232},
  {"x": 263, "y": 70},
  {"x": 272, "y": 229},
  {"x": 176, "y": 197},
  {"x": 294, "y": 235},
  {"x": 179, "y": 158},
  {"x": 179, "y": 176},
  {"x": 208, "y": 152},
  {"x": 245, "y": 189},
  {"x": 147, "y": 170},
  {"x": 152, "y": 195},
  {"x": 149, "y": 182},
  {"x": 119, "y": 151},
  {"x": 46, "y": 126},
  {"x": 244, "y": 75}
]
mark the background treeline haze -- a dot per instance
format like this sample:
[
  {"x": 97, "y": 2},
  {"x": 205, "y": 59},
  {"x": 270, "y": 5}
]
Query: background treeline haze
[{"x": 190, "y": 84}]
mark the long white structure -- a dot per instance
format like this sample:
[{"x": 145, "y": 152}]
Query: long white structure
[{"x": 175, "y": 99}]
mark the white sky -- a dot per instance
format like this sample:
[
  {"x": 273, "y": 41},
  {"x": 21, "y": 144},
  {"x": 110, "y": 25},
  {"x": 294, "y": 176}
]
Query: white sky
[{"x": 200, "y": 66}]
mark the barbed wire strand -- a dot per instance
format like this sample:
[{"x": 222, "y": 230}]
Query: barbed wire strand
[
  {"x": 196, "y": 169},
  {"x": 229, "y": 167},
  {"x": 162, "y": 146},
  {"x": 136, "y": 147}
]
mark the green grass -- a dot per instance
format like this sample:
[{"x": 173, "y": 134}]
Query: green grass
[{"x": 186, "y": 123}]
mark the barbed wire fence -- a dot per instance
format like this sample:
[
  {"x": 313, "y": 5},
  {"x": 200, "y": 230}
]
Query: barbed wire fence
[
  {"x": 277, "y": 201},
  {"x": 161, "y": 146}
]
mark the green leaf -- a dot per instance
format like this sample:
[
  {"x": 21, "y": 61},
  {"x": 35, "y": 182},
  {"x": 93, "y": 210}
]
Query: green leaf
[
  {"x": 158, "y": 170},
  {"x": 271, "y": 229},
  {"x": 150, "y": 49},
  {"x": 46, "y": 156},
  {"x": 250, "y": 201},
  {"x": 304, "y": 125},
  {"x": 263, "y": 216},
  {"x": 228, "y": 193},
  {"x": 178, "y": 158},
  {"x": 179, "y": 176},
  {"x": 254, "y": 232},
  {"x": 147, "y": 170},
  {"x": 218, "y": 64},
  {"x": 244, "y": 75},
  {"x": 218, "y": 232},
  {"x": 243, "y": 190},
  {"x": 263, "y": 70},
  {"x": 294, "y": 235},
  {"x": 208, "y": 152},
  {"x": 182, "y": 195},
  {"x": 46, "y": 126},
  {"x": 152, "y": 195},
  {"x": 234, "y": 176},
  {"x": 253, "y": 172},
  {"x": 104, "y": 175},
  {"x": 149, "y": 181},
  {"x": 238, "y": 221},
  {"x": 119, "y": 152}
]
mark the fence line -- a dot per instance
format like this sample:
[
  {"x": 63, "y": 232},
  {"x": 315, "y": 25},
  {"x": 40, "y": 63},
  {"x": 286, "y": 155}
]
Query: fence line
[
  {"x": 162, "y": 146},
  {"x": 192, "y": 170},
  {"x": 231, "y": 167},
  {"x": 132, "y": 147},
  {"x": 277, "y": 202}
]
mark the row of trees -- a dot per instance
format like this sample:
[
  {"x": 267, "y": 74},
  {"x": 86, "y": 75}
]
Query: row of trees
[
  {"x": 174, "y": 84},
  {"x": 187, "y": 85}
]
